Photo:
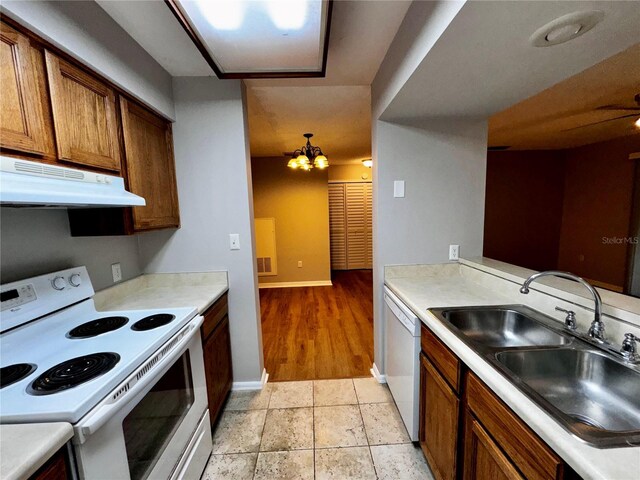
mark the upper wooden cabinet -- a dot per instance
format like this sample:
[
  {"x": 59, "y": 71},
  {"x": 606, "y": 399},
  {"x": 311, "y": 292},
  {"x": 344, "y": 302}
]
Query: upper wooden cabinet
[
  {"x": 22, "y": 123},
  {"x": 150, "y": 167},
  {"x": 84, "y": 116}
]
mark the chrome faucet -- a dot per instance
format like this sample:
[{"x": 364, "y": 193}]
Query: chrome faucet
[{"x": 596, "y": 330}]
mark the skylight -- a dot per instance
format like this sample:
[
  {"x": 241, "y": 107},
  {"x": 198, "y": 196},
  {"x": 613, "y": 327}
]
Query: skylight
[{"x": 258, "y": 38}]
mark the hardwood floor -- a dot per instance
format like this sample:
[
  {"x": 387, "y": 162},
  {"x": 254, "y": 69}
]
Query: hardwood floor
[{"x": 312, "y": 333}]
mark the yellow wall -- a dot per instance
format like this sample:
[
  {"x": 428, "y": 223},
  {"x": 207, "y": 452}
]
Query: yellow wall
[
  {"x": 299, "y": 202},
  {"x": 350, "y": 172}
]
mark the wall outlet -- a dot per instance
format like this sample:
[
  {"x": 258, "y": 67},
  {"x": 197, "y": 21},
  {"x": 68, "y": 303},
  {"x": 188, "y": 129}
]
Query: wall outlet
[
  {"x": 234, "y": 241},
  {"x": 116, "y": 272},
  {"x": 454, "y": 252},
  {"x": 299, "y": 263}
]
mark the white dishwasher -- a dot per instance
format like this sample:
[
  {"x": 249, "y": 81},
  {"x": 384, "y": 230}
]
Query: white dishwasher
[{"x": 402, "y": 350}]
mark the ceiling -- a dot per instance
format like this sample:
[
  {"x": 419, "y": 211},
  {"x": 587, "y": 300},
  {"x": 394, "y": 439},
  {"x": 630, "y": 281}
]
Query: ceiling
[
  {"x": 278, "y": 116},
  {"x": 336, "y": 108},
  {"x": 153, "y": 26},
  {"x": 259, "y": 37},
  {"x": 484, "y": 63},
  {"x": 552, "y": 118}
]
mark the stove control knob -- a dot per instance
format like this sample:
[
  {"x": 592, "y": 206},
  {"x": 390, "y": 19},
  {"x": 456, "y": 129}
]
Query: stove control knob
[
  {"x": 58, "y": 283},
  {"x": 75, "y": 280}
]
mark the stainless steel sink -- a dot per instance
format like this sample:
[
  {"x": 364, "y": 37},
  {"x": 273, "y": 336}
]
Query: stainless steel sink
[
  {"x": 585, "y": 389},
  {"x": 592, "y": 395},
  {"x": 503, "y": 327}
]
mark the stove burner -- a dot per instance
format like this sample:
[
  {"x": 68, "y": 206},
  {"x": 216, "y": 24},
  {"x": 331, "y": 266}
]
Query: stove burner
[
  {"x": 14, "y": 373},
  {"x": 153, "y": 321},
  {"x": 73, "y": 372},
  {"x": 97, "y": 327}
]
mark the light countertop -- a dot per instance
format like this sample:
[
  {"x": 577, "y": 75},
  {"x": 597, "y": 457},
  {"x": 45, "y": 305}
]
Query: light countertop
[
  {"x": 429, "y": 286},
  {"x": 164, "y": 290},
  {"x": 25, "y": 448}
]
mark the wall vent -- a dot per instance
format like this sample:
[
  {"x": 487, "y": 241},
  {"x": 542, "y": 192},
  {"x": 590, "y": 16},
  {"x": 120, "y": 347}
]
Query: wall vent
[{"x": 264, "y": 265}]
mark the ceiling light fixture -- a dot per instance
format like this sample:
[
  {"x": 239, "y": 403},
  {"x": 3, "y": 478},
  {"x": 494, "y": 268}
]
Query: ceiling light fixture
[
  {"x": 288, "y": 14},
  {"x": 565, "y": 28},
  {"x": 308, "y": 157},
  {"x": 223, "y": 14},
  {"x": 368, "y": 162}
]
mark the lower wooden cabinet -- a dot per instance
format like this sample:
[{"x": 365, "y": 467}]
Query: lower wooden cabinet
[
  {"x": 483, "y": 457},
  {"x": 216, "y": 346},
  {"x": 439, "y": 421},
  {"x": 56, "y": 468},
  {"x": 467, "y": 432}
]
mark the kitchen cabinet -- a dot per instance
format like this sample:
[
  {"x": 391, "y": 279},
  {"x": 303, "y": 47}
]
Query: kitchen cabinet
[
  {"x": 484, "y": 458},
  {"x": 439, "y": 423},
  {"x": 22, "y": 119},
  {"x": 467, "y": 432},
  {"x": 148, "y": 146},
  {"x": 149, "y": 171},
  {"x": 56, "y": 468},
  {"x": 216, "y": 346},
  {"x": 84, "y": 116}
]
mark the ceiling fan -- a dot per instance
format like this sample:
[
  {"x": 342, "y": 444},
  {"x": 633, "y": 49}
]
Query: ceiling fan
[{"x": 614, "y": 107}]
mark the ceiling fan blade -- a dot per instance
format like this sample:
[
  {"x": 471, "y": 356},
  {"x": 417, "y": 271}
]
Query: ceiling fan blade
[
  {"x": 618, "y": 107},
  {"x": 601, "y": 121}
]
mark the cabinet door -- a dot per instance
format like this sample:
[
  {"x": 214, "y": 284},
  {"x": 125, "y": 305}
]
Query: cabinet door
[
  {"x": 484, "y": 460},
  {"x": 150, "y": 167},
  {"x": 217, "y": 365},
  {"x": 84, "y": 116},
  {"x": 439, "y": 411},
  {"x": 22, "y": 126}
]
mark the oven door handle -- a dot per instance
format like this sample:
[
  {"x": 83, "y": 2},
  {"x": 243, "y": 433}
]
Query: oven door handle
[{"x": 109, "y": 406}]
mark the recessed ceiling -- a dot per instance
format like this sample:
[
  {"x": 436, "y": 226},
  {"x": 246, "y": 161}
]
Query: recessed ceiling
[
  {"x": 267, "y": 38},
  {"x": 577, "y": 111}
]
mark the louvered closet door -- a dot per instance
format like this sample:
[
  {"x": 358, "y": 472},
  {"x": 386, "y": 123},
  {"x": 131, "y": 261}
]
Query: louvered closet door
[
  {"x": 337, "y": 226},
  {"x": 368, "y": 211},
  {"x": 355, "y": 194}
]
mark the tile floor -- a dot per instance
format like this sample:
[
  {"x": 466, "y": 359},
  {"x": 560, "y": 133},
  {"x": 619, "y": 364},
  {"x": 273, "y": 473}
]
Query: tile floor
[{"x": 324, "y": 429}]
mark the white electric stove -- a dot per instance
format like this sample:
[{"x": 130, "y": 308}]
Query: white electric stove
[{"x": 131, "y": 382}]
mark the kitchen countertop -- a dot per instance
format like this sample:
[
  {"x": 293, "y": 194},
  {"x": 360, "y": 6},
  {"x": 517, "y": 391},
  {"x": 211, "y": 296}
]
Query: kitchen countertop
[
  {"x": 24, "y": 448},
  {"x": 164, "y": 290},
  {"x": 430, "y": 286}
]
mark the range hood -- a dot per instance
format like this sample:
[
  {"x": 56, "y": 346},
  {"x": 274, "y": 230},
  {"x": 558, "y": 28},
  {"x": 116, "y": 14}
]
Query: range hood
[{"x": 32, "y": 184}]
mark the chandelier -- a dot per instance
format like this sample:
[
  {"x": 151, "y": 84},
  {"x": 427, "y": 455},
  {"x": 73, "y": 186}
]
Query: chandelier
[{"x": 308, "y": 157}]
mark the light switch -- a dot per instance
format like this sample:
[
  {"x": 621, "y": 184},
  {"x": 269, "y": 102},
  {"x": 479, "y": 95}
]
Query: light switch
[
  {"x": 234, "y": 241},
  {"x": 398, "y": 188}
]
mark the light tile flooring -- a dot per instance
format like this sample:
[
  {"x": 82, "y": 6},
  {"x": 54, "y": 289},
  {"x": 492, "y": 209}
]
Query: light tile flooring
[{"x": 324, "y": 429}]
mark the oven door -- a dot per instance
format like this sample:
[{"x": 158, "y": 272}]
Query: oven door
[{"x": 143, "y": 428}]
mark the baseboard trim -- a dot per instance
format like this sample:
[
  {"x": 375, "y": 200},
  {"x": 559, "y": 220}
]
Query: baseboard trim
[
  {"x": 237, "y": 386},
  {"x": 314, "y": 283},
  {"x": 377, "y": 375}
]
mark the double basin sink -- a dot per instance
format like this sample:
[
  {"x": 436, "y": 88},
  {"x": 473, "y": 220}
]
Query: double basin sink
[{"x": 591, "y": 393}]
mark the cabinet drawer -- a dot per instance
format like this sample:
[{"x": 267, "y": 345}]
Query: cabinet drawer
[
  {"x": 443, "y": 358},
  {"x": 524, "y": 448},
  {"x": 214, "y": 315}
]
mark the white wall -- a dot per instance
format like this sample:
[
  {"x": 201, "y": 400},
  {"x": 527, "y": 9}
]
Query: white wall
[
  {"x": 422, "y": 26},
  {"x": 214, "y": 188},
  {"x": 443, "y": 164},
  {"x": 85, "y": 31},
  {"x": 35, "y": 242}
]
